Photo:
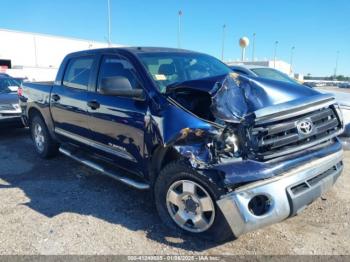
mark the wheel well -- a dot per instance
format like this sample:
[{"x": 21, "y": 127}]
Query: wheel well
[
  {"x": 33, "y": 112},
  {"x": 170, "y": 156},
  {"x": 161, "y": 157}
]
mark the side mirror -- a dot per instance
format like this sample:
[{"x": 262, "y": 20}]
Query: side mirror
[{"x": 120, "y": 86}]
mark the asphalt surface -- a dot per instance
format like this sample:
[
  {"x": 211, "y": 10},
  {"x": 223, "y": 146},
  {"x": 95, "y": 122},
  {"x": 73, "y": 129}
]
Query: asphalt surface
[{"x": 60, "y": 207}]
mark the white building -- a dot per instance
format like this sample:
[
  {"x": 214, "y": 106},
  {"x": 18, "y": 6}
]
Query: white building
[
  {"x": 37, "y": 56},
  {"x": 280, "y": 65}
]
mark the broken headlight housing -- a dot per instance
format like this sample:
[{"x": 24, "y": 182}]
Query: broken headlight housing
[{"x": 226, "y": 145}]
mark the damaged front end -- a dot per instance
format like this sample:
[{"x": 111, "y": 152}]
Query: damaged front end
[
  {"x": 239, "y": 119},
  {"x": 272, "y": 146}
]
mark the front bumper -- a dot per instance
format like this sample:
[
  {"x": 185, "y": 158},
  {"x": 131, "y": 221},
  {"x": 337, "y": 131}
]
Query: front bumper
[{"x": 286, "y": 194}]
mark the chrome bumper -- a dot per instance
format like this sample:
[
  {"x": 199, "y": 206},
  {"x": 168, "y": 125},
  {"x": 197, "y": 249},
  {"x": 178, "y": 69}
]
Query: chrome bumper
[{"x": 287, "y": 194}]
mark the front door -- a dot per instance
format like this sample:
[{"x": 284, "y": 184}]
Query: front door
[{"x": 117, "y": 123}]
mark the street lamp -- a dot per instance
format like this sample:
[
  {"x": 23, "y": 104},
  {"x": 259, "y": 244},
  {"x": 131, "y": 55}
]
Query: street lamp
[
  {"x": 109, "y": 23},
  {"x": 275, "y": 54},
  {"x": 179, "y": 30},
  {"x": 253, "y": 48},
  {"x": 336, "y": 65},
  {"x": 223, "y": 42},
  {"x": 291, "y": 59}
]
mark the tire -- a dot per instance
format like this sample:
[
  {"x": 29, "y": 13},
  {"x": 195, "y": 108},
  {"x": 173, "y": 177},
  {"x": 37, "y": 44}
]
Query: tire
[
  {"x": 44, "y": 145},
  {"x": 179, "y": 175}
]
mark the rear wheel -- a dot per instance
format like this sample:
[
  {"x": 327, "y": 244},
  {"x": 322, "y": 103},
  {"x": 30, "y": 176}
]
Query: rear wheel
[
  {"x": 45, "y": 146},
  {"x": 186, "y": 201}
]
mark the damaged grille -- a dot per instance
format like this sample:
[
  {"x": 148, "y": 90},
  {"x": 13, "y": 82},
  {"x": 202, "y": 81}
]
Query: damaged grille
[{"x": 294, "y": 134}]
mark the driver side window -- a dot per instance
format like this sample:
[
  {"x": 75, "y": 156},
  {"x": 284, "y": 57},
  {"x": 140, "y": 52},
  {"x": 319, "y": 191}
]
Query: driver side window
[{"x": 114, "y": 66}]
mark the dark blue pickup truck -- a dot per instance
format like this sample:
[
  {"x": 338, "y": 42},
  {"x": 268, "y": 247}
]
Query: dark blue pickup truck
[{"x": 222, "y": 153}]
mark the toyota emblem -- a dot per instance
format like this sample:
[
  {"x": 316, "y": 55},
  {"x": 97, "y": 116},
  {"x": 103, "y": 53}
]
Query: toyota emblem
[{"x": 305, "y": 127}]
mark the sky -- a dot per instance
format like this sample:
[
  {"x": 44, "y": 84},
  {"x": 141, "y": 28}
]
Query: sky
[{"x": 317, "y": 28}]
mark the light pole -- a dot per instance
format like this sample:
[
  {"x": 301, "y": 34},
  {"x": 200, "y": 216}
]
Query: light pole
[
  {"x": 291, "y": 59},
  {"x": 275, "y": 54},
  {"x": 109, "y": 22},
  {"x": 179, "y": 30},
  {"x": 336, "y": 65},
  {"x": 35, "y": 52},
  {"x": 223, "y": 42},
  {"x": 253, "y": 48}
]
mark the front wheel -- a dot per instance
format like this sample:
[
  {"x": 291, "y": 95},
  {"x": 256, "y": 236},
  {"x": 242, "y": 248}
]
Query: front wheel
[
  {"x": 186, "y": 201},
  {"x": 45, "y": 146}
]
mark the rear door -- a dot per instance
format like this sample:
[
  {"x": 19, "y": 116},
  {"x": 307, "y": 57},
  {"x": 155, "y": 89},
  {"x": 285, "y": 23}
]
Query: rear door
[
  {"x": 117, "y": 123},
  {"x": 69, "y": 100}
]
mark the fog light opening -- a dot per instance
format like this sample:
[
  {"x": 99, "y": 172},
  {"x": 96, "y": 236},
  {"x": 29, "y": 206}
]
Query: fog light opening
[{"x": 259, "y": 205}]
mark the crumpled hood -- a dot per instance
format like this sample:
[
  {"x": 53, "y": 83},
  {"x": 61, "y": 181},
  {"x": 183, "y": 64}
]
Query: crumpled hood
[{"x": 238, "y": 96}]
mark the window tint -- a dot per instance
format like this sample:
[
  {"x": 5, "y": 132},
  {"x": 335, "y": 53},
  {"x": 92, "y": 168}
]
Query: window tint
[
  {"x": 113, "y": 66},
  {"x": 78, "y": 72}
]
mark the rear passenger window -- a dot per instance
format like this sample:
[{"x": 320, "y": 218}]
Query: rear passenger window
[{"x": 78, "y": 72}]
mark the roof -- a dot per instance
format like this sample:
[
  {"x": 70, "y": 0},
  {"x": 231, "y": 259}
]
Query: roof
[
  {"x": 248, "y": 66},
  {"x": 134, "y": 50},
  {"x": 156, "y": 50}
]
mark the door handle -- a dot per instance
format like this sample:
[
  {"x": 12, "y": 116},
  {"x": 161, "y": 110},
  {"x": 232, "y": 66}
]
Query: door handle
[
  {"x": 93, "y": 105},
  {"x": 55, "y": 97}
]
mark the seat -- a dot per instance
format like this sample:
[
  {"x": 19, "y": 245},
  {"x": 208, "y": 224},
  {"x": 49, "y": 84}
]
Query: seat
[{"x": 169, "y": 71}]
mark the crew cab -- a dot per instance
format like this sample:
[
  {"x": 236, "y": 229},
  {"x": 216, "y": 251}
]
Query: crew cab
[{"x": 223, "y": 154}]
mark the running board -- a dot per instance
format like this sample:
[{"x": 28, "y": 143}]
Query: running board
[{"x": 99, "y": 168}]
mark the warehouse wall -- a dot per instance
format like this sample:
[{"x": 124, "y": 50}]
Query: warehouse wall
[{"x": 31, "y": 54}]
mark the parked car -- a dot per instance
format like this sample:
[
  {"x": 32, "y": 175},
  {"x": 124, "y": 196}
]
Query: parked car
[
  {"x": 344, "y": 85},
  {"x": 3, "y": 75},
  {"x": 271, "y": 73},
  {"x": 10, "y": 112},
  {"x": 222, "y": 154}
]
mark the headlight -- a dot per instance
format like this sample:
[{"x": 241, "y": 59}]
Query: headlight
[{"x": 231, "y": 142}]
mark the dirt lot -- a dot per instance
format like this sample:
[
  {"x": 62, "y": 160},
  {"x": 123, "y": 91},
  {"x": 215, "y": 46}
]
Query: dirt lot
[{"x": 60, "y": 207}]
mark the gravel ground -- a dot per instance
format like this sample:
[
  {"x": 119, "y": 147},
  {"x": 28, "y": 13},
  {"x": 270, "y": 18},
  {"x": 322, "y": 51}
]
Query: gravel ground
[{"x": 60, "y": 207}]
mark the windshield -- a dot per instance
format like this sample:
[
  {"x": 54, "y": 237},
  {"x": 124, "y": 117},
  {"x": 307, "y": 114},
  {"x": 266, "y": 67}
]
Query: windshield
[
  {"x": 170, "y": 68},
  {"x": 8, "y": 85},
  {"x": 273, "y": 74}
]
